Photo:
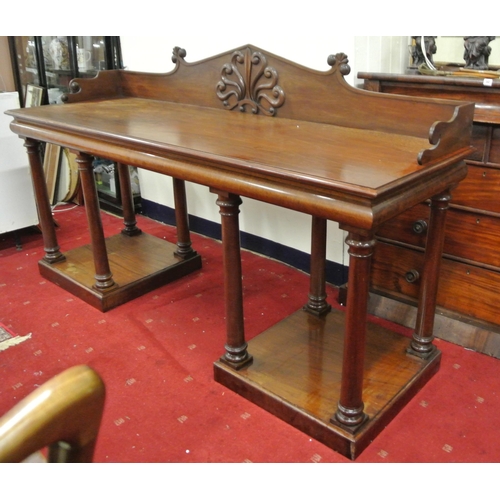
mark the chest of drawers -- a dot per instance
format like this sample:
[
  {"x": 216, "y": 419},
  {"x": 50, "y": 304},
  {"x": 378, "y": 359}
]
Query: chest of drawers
[{"x": 468, "y": 297}]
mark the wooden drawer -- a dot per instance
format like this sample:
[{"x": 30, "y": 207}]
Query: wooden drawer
[
  {"x": 468, "y": 235},
  {"x": 494, "y": 152},
  {"x": 479, "y": 190},
  {"x": 479, "y": 140},
  {"x": 465, "y": 289}
]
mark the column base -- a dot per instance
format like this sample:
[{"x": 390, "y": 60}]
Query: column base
[{"x": 237, "y": 365}]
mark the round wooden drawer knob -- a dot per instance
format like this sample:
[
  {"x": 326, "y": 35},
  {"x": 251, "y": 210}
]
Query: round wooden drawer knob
[
  {"x": 419, "y": 226},
  {"x": 412, "y": 276}
]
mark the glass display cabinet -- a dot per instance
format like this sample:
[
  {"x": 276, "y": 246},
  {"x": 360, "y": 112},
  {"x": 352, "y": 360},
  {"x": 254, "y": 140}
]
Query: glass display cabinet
[
  {"x": 52, "y": 62},
  {"x": 49, "y": 63}
]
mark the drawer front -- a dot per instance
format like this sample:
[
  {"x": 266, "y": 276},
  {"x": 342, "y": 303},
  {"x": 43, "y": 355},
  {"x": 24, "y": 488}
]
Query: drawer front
[
  {"x": 465, "y": 289},
  {"x": 494, "y": 153},
  {"x": 480, "y": 189},
  {"x": 468, "y": 235},
  {"x": 479, "y": 138}
]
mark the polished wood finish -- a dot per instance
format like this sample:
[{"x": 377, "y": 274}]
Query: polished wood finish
[
  {"x": 461, "y": 242},
  {"x": 398, "y": 261},
  {"x": 296, "y": 375},
  {"x": 485, "y": 96},
  {"x": 138, "y": 265},
  {"x": 103, "y": 276},
  {"x": 471, "y": 267},
  {"x": 129, "y": 219},
  {"x": 350, "y": 406},
  {"x": 184, "y": 249},
  {"x": 317, "y": 303},
  {"x": 424, "y": 328},
  {"x": 135, "y": 278},
  {"x": 236, "y": 354},
  {"x": 247, "y": 123},
  {"x": 64, "y": 413},
  {"x": 51, "y": 247}
]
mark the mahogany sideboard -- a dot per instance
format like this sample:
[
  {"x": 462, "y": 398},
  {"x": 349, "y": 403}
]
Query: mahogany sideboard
[
  {"x": 470, "y": 275},
  {"x": 247, "y": 123}
]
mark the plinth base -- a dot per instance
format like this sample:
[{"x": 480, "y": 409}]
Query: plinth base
[
  {"x": 139, "y": 265},
  {"x": 296, "y": 375}
]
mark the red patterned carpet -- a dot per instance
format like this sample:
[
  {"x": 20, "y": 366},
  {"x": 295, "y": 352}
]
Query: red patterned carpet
[{"x": 156, "y": 353}]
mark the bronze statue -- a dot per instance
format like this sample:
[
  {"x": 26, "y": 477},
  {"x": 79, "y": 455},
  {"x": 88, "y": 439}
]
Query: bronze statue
[
  {"x": 477, "y": 51},
  {"x": 417, "y": 53}
]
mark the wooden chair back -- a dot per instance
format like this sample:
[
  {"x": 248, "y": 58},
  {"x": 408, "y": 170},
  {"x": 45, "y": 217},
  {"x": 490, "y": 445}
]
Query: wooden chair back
[{"x": 64, "y": 414}]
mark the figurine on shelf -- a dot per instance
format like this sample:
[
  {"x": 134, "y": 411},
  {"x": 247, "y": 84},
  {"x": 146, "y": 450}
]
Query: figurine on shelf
[
  {"x": 30, "y": 55},
  {"x": 418, "y": 56},
  {"x": 477, "y": 51},
  {"x": 59, "y": 53}
]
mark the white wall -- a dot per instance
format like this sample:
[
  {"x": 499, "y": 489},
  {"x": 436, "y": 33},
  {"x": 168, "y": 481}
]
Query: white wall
[{"x": 310, "y": 48}]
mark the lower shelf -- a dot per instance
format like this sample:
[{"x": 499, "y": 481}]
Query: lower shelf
[
  {"x": 139, "y": 265},
  {"x": 296, "y": 375}
]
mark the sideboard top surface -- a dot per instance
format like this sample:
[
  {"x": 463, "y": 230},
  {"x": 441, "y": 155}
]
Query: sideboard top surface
[{"x": 301, "y": 131}]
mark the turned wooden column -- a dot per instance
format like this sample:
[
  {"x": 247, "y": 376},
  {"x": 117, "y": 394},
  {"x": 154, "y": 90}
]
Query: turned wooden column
[
  {"x": 103, "y": 275},
  {"x": 350, "y": 407},
  {"x": 236, "y": 347},
  {"x": 422, "y": 345},
  {"x": 317, "y": 303},
  {"x": 129, "y": 219},
  {"x": 51, "y": 247},
  {"x": 184, "y": 249}
]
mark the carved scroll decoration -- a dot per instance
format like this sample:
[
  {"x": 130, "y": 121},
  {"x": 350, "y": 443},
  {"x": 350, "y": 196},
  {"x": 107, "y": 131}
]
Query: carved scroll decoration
[{"x": 247, "y": 81}]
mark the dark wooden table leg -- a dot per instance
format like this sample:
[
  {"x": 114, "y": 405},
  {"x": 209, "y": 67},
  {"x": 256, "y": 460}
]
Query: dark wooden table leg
[
  {"x": 423, "y": 336},
  {"x": 51, "y": 247},
  {"x": 236, "y": 354},
  {"x": 103, "y": 275},
  {"x": 350, "y": 407},
  {"x": 317, "y": 303},
  {"x": 129, "y": 219},
  {"x": 184, "y": 249}
]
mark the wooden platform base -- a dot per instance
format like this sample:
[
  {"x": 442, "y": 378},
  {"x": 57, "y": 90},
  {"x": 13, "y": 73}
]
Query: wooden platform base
[
  {"x": 139, "y": 265},
  {"x": 296, "y": 375}
]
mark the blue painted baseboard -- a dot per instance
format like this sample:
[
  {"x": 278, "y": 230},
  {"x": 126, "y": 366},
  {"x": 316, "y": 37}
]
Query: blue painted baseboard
[{"x": 336, "y": 274}]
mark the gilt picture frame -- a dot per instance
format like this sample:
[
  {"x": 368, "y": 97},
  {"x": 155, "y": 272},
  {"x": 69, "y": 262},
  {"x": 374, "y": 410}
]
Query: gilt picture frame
[
  {"x": 34, "y": 96},
  {"x": 51, "y": 164}
]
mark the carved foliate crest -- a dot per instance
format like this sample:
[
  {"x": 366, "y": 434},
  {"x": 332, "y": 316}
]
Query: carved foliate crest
[
  {"x": 74, "y": 88},
  {"x": 247, "y": 81},
  {"x": 178, "y": 53},
  {"x": 341, "y": 61}
]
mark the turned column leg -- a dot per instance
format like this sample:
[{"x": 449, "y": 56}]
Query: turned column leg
[
  {"x": 317, "y": 291},
  {"x": 350, "y": 407},
  {"x": 421, "y": 344},
  {"x": 129, "y": 219},
  {"x": 51, "y": 247},
  {"x": 184, "y": 249},
  {"x": 103, "y": 275},
  {"x": 236, "y": 348}
]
